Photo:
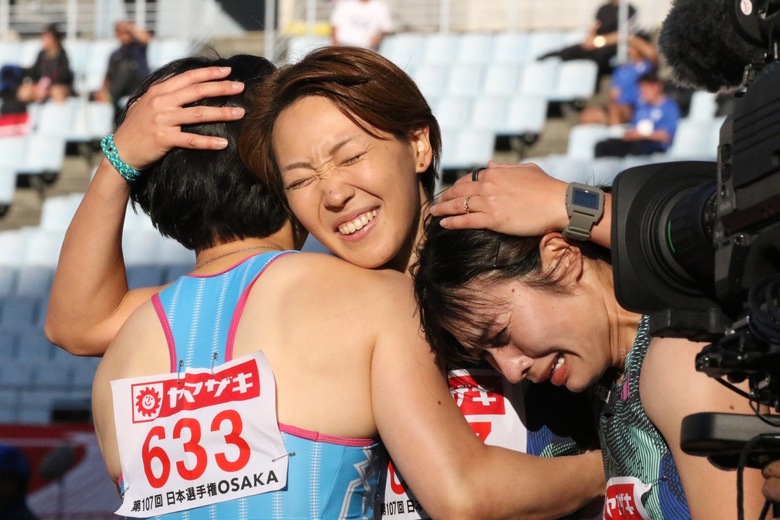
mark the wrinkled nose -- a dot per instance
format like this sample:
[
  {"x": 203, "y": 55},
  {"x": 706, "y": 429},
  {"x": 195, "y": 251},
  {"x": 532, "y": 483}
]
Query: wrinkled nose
[
  {"x": 513, "y": 365},
  {"x": 336, "y": 193}
]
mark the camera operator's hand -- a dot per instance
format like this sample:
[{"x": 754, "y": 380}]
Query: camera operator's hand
[
  {"x": 772, "y": 485},
  {"x": 518, "y": 199}
]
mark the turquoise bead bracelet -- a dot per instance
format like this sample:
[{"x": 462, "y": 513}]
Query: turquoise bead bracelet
[{"x": 125, "y": 170}]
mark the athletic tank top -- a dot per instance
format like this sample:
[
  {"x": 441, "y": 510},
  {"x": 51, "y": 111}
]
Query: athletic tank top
[
  {"x": 642, "y": 478},
  {"x": 328, "y": 477}
]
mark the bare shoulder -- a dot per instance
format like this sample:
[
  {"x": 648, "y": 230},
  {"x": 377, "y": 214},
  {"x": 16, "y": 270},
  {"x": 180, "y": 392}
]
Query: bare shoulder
[
  {"x": 670, "y": 384},
  {"x": 139, "y": 348},
  {"x": 317, "y": 272}
]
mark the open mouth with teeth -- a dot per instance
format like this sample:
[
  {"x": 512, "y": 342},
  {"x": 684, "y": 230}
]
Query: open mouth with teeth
[
  {"x": 358, "y": 223},
  {"x": 555, "y": 370}
]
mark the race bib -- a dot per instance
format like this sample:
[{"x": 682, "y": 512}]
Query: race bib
[
  {"x": 494, "y": 409},
  {"x": 623, "y": 499},
  {"x": 198, "y": 437}
]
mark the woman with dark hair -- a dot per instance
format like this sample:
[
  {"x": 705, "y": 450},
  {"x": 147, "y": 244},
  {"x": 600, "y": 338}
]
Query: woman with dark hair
[
  {"x": 543, "y": 308},
  {"x": 334, "y": 376},
  {"x": 50, "y": 77}
]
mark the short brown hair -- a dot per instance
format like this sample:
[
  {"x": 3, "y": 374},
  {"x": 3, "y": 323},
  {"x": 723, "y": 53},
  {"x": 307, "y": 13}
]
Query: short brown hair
[{"x": 365, "y": 86}]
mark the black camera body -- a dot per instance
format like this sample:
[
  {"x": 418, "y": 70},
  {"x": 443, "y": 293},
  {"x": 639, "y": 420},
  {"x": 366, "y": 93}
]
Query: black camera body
[{"x": 696, "y": 245}]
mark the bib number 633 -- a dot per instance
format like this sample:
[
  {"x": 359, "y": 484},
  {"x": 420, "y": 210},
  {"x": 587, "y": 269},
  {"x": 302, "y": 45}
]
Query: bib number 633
[{"x": 226, "y": 428}]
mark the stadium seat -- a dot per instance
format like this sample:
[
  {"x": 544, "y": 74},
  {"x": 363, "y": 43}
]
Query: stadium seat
[
  {"x": 490, "y": 113},
  {"x": 430, "y": 79},
  {"x": 693, "y": 140},
  {"x": 539, "y": 78},
  {"x": 19, "y": 312},
  {"x": 575, "y": 81},
  {"x": 55, "y": 119},
  {"x": 165, "y": 50},
  {"x": 464, "y": 79},
  {"x": 9, "y": 52},
  {"x": 439, "y": 49},
  {"x": 703, "y": 106},
  {"x": 144, "y": 276},
  {"x": 474, "y": 47},
  {"x": 583, "y": 139},
  {"x": 510, "y": 47},
  {"x": 526, "y": 116},
  {"x": 173, "y": 253},
  {"x": 92, "y": 120},
  {"x": 43, "y": 154},
  {"x": 140, "y": 246},
  {"x": 33, "y": 347},
  {"x": 542, "y": 42},
  {"x": 453, "y": 111},
  {"x": 466, "y": 148},
  {"x": 57, "y": 212},
  {"x": 501, "y": 79},
  {"x": 403, "y": 49},
  {"x": 8, "y": 175},
  {"x": 91, "y": 79},
  {"x": 605, "y": 169}
]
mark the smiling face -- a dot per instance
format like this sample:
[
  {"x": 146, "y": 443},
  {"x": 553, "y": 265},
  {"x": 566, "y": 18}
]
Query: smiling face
[
  {"x": 538, "y": 334},
  {"x": 359, "y": 194}
]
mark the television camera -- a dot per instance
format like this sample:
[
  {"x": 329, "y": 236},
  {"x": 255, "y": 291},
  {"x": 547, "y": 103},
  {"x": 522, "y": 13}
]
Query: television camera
[{"x": 696, "y": 245}]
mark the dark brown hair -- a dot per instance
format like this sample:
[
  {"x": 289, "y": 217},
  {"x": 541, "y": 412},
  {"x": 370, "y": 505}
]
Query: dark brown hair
[
  {"x": 366, "y": 87},
  {"x": 448, "y": 263}
]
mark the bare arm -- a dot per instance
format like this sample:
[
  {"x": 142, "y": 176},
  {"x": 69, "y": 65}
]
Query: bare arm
[
  {"x": 89, "y": 300},
  {"x": 671, "y": 389},
  {"x": 518, "y": 200},
  {"x": 450, "y": 470},
  {"x": 138, "y": 349}
]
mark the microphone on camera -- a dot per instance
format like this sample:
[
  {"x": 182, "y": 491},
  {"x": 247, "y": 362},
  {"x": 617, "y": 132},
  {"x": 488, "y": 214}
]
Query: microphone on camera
[{"x": 702, "y": 46}]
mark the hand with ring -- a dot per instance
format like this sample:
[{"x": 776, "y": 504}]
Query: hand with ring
[{"x": 513, "y": 199}]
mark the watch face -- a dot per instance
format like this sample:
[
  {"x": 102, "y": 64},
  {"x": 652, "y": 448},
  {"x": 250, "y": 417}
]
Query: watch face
[{"x": 585, "y": 199}]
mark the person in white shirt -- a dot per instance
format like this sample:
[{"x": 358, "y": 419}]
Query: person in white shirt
[{"x": 361, "y": 23}]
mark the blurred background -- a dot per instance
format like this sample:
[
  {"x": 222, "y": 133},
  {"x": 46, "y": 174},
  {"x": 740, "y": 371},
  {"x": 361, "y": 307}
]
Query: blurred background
[{"x": 481, "y": 65}]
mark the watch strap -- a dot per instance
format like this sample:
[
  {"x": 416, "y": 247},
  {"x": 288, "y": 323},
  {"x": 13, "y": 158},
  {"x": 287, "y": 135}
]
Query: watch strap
[{"x": 579, "y": 226}]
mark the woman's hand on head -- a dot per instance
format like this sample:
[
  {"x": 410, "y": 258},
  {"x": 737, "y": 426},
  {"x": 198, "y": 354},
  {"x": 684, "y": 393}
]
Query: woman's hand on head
[
  {"x": 518, "y": 199},
  {"x": 152, "y": 124}
]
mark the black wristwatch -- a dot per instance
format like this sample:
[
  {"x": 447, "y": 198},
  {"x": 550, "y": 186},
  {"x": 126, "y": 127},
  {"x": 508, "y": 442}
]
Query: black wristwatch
[{"x": 585, "y": 206}]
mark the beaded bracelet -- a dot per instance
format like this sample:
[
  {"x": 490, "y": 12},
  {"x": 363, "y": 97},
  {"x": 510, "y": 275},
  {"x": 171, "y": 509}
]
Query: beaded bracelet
[{"x": 125, "y": 170}]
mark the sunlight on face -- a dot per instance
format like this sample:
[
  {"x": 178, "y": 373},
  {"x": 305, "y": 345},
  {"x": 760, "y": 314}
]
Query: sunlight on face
[{"x": 358, "y": 194}]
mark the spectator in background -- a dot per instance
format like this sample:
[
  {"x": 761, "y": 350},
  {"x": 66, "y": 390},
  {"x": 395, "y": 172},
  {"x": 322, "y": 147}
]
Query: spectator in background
[
  {"x": 623, "y": 94},
  {"x": 50, "y": 77},
  {"x": 127, "y": 66},
  {"x": 360, "y": 23},
  {"x": 600, "y": 45},
  {"x": 14, "y": 479},
  {"x": 652, "y": 126}
]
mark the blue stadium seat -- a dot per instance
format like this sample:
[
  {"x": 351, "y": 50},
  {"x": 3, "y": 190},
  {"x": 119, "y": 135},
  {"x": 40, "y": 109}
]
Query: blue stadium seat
[{"x": 19, "y": 311}]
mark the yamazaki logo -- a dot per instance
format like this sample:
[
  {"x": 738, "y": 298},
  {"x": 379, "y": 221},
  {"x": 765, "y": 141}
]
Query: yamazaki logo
[
  {"x": 623, "y": 499},
  {"x": 477, "y": 394},
  {"x": 194, "y": 391}
]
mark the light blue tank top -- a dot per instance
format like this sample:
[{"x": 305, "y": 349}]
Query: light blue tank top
[{"x": 328, "y": 477}]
